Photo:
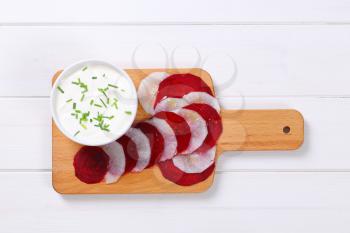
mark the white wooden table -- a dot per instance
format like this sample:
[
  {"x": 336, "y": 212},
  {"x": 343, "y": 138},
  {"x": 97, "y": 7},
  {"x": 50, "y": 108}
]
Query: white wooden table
[{"x": 288, "y": 54}]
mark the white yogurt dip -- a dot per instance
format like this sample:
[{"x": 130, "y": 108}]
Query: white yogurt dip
[{"x": 94, "y": 103}]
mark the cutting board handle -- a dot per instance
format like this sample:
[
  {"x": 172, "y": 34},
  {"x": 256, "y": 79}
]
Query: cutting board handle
[{"x": 261, "y": 130}]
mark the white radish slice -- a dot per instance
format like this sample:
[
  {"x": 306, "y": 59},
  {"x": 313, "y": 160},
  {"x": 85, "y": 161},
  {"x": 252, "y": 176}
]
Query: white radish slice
[
  {"x": 148, "y": 90},
  {"x": 116, "y": 166},
  {"x": 198, "y": 128},
  {"x": 195, "y": 162},
  {"x": 202, "y": 98},
  {"x": 170, "y": 142},
  {"x": 170, "y": 104},
  {"x": 143, "y": 148}
]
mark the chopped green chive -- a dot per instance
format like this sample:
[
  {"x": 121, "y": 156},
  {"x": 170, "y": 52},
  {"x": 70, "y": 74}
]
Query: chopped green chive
[
  {"x": 97, "y": 105},
  {"x": 94, "y": 77},
  {"x": 60, "y": 89},
  {"x": 85, "y": 68},
  {"x": 82, "y": 98},
  {"x": 128, "y": 112},
  {"x": 77, "y": 133},
  {"x": 108, "y": 117},
  {"x": 77, "y": 111},
  {"x": 81, "y": 85},
  {"x": 84, "y": 126},
  {"x": 84, "y": 117},
  {"x": 100, "y": 122},
  {"x": 123, "y": 90},
  {"x": 111, "y": 85},
  {"x": 107, "y": 100},
  {"x": 103, "y": 91},
  {"x": 103, "y": 103},
  {"x": 91, "y": 102},
  {"x": 85, "y": 87},
  {"x": 75, "y": 115},
  {"x": 74, "y": 105},
  {"x": 70, "y": 100},
  {"x": 115, "y": 103},
  {"x": 104, "y": 75}
]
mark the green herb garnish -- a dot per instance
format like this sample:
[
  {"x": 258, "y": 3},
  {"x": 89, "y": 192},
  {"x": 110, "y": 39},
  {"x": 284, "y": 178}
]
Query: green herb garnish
[
  {"x": 84, "y": 126},
  {"x": 60, "y": 89},
  {"x": 82, "y": 85},
  {"x": 108, "y": 117},
  {"x": 85, "y": 68},
  {"x": 103, "y": 103},
  {"x": 74, "y": 105},
  {"x": 70, "y": 100},
  {"x": 77, "y": 133},
  {"x": 100, "y": 122},
  {"x": 97, "y": 105},
  {"x": 103, "y": 91},
  {"x": 84, "y": 117},
  {"x": 115, "y": 103},
  {"x": 91, "y": 102},
  {"x": 75, "y": 115},
  {"x": 111, "y": 85},
  {"x": 128, "y": 112},
  {"x": 82, "y": 98},
  {"x": 94, "y": 77}
]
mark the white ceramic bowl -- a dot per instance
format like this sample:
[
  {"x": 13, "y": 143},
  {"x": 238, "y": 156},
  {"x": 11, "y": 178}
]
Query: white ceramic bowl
[{"x": 79, "y": 65}]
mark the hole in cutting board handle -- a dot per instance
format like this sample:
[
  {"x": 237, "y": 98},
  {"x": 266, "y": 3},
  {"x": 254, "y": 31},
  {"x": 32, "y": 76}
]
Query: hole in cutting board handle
[{"x": 286, "y": 129}]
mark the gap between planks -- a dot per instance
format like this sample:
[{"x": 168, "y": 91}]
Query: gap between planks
[{"x": 178, "y": 23}]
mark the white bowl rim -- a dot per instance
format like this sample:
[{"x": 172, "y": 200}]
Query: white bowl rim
[{"x": 74, "y": 66}]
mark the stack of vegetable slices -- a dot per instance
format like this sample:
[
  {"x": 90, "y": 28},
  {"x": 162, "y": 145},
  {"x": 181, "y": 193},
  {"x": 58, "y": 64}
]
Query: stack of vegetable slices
[{"x": 180, "y": 137}]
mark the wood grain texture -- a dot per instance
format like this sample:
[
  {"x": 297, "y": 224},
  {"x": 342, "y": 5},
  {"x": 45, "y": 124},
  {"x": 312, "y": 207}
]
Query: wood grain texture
[
  {"x": 261, "y": 130},
  {"x": 243, "y": 130}
]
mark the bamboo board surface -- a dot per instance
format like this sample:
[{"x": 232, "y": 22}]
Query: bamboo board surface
[{"x": 243, "y": 130}]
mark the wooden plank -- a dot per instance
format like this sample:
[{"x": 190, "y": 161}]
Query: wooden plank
[
  {"x": 270, "y": 60},
  {"x": 277, "y": 202},
  {"x": 25, "y": 133},
  {"x": 180, "y": 11},
  {"x": 26, "y": 142}
]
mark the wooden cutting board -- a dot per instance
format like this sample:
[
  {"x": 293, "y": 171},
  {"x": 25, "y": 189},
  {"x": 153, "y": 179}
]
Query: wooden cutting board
[{"x": 243, "y": 130}]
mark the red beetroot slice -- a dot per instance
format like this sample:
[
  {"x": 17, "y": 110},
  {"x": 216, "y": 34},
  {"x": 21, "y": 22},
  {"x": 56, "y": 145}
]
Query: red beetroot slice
[
  {"x": 214, "y": 124},
  {"x": 130, "y": 151},
  {"x": 91, "y": 164},
  {"x": 156, "y": 141},
  {"x": 181, "y": 129},
  {"x": 175, "y": 175},
  {"x": 178, "y": 85}
]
